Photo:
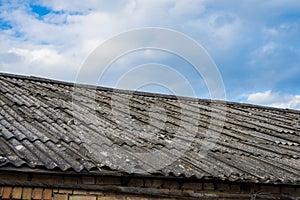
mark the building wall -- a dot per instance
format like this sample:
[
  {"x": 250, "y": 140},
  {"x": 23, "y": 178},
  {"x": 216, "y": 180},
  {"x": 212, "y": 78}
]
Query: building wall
[{"x": 82, "y": 187}]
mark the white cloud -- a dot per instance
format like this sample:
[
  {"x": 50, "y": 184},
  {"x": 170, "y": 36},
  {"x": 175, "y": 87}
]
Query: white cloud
[
  {"x": 62, "y": 40},
  {"x": 267, "y": 49},
  {"x": 275, "y": 99},
  {"x": 261, "y": 97},
  {"x": 56, "y": 44},
  {"x": 187, "y": 8},
  {"x": 43, "y": 57},
  {"x": 73, "y": 32}
]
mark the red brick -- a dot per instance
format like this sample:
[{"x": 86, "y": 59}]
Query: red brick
[
  {"x": 47, "y": 194},
  {"x": 111, "y": 198},
  {"x": 37, "y": 193},
  {"x": 17, "y": 193},
  {"x": 90, "y": 197},
  {"x": 138, "y": 198},
  {"x": 80, "y": 192},
  {"x": 26, "y": 194},
  {"x": 55, "y": 190},
  {"x": 6, "y": 192},
  {"x": 65, "y": 191},
  {"x": 96, "y": 193},
  {"x": 60, "y": 197}
]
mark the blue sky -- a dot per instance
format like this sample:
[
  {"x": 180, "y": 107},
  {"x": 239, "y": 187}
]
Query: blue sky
[{"x": 255, "y": 44}]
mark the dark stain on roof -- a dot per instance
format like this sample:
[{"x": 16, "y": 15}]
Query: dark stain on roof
[{"x": 42, "y": 125}]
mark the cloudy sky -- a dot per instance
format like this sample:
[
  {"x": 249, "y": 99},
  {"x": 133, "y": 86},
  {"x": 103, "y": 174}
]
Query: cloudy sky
[{"x": 254, "y": 44}]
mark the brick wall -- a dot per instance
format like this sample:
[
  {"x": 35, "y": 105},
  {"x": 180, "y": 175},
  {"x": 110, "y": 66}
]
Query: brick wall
[{"x": 82, "y": 187}]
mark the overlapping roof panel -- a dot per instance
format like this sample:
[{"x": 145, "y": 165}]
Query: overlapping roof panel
[{"x": 56, "y": 125}]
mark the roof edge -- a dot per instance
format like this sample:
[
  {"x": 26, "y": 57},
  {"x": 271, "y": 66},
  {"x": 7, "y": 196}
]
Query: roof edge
[{"x": 109, "y": 173}]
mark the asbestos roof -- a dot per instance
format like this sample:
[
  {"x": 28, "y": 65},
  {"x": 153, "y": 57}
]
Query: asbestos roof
[{"x": 47, "y": 124}]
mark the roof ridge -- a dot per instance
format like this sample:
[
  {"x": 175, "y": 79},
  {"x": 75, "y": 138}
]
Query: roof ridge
[{"x": 141, "y": 93}]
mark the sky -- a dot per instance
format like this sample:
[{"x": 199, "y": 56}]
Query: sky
[{"x": 254, "y": 44}]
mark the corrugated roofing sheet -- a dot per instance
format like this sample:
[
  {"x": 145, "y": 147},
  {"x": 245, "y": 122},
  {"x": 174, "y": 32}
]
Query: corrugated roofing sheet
[{"x": 54, "y": 125}]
